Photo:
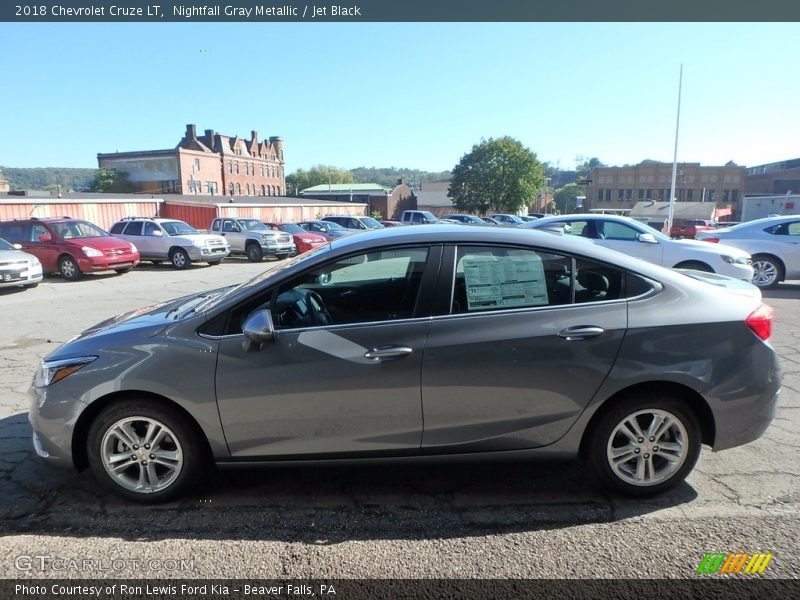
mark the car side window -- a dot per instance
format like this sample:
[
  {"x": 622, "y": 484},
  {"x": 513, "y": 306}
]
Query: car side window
[
  {"x": 575, "y": 227},
  {"x": 596, "y": 282},
  {"x": 793, "y": 228},
  {"x": 117, "y": 228},
  {"x": 229, "y": 226},
  {"x": 495, "y": 278},
  {"x": 150, "y": 228},
  {"x": 15, "y": 232},
  {"x": 611, "y": 230},
  {"x": 37, "y": 231},
  {"x": 133, "y": 228}
]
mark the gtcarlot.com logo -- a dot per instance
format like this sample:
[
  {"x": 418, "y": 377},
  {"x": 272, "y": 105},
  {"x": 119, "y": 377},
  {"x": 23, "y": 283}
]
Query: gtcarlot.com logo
[
  {"x": 49, "y": 562},
  {"x": 734, "y": 563}
]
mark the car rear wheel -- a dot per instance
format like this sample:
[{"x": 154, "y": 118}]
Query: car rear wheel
[
  {"x": 768, "y": 271},
  {"x": 254, "y": 252},
  {"x": 69, "y": 269},
  {"x": 644, "y": 446},
  {"x": 144, "y": 451},
  {"x": 180, "y": 259}
]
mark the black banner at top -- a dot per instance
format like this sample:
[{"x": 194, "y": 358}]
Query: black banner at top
[{"x": 397, "y": 10}]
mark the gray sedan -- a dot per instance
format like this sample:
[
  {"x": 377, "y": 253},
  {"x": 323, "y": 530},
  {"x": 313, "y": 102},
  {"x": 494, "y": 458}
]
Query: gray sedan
[
  {"x": 417, "y": 343},
  {"x": 773, "y": 242}
]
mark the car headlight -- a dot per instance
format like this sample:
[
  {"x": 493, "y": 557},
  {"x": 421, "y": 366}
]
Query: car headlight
[
  {"x": 740, "y": 260},
  {"x": 34, "y": 262},
  {"x": 51, "y": 371},
  {"x": 134, "y": 248},
  {"x": 91, "y": 251}
]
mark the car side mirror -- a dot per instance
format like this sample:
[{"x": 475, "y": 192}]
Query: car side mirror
[
  {"x": 45, "y": 237},
  {"x": 323, "y": 278},
  {"x": 18, "y": 246},
  {"x": 157, "y": 233},
  {"x": 258, "y": 330},
  {"x": 647, "y": 238}
]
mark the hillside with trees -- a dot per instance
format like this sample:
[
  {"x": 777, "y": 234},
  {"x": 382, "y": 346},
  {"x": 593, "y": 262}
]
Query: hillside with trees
[{"x": 49, "y": 178}]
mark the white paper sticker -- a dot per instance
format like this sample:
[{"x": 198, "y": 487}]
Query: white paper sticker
[{"x": 504, "y": 281}]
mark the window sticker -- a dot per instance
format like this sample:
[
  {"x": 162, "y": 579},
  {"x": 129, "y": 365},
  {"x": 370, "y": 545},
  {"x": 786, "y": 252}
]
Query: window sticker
[{"x": 504, "y": 281}]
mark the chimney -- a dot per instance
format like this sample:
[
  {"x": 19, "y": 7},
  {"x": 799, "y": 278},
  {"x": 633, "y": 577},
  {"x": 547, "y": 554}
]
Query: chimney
[
  {"x": 254, "y": 135},
  {"x": 191, "y": 132},
  {"x": 400, "y": 181}
]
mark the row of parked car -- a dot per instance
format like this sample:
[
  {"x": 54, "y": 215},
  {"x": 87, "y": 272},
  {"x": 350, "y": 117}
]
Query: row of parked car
[{"x": 764, "y": 252}]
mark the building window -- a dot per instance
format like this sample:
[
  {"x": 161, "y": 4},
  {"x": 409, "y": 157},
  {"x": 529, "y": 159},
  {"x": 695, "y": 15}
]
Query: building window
[
  {"x": 263, "y": 190},
  {"x": 620, "y": 195},
  {"x": 230, "y": 166},
  {"x": 734, "y": 195},
  {"x": 599, "y": 195},
  {"x": 237, "y": 167},
  {"x": 211, "y": 187},
  {"x": 690, "y": 195},
  {"x": 196, "y": 165},
  {"x": 230, "y": 189},
  {"x": 238, "y": 189}
]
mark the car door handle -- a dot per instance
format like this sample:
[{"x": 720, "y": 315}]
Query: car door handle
[
  {"x": 387, "y": 353},
  {"x": 582, "y": 332}
]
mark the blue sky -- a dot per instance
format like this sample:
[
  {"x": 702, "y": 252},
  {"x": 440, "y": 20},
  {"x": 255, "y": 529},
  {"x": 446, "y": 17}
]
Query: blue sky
[{"x": 402, "y": 94}]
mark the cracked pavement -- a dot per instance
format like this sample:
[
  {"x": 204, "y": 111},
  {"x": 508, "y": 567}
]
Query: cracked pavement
[{"x": 487, "y": 520}]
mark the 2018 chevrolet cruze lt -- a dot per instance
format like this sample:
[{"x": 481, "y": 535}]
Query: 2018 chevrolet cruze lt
[{"x": 417, "y": 342}]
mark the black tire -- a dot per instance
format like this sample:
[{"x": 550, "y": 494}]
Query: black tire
[
  {"x": 69, "y": 269},
  {"x": 254, "y": 252},
  {"x": 156, "y": 262},
  {"x": 122, "y": 271},
  {"x": 181, "y": 435},
  {"x": 214, "y": 263},
  {"x": 31, "y": 285},
  {"x": 180, "y": 259},
  {"x": 696, "y": 265},
  {"x": 604, "y": 438},
  {"x": 769, "y": 271}
]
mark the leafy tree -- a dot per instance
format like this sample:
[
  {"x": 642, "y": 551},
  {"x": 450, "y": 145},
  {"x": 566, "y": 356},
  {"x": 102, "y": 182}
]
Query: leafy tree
[
  {"x": 566, "y": 198},
  {"x": 110, "y": 180},
  {"x": 388, "y": 176},
  {"x": 496, "y": 175},
  {"x": 588, "y": 165},
  {"x": 320, "y": 174}
]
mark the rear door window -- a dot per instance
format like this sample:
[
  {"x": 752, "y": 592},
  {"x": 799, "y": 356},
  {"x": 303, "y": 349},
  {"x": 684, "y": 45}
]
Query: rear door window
[
  {"x": 117, "y": 228},
  {"x": 134, "y": 228}
]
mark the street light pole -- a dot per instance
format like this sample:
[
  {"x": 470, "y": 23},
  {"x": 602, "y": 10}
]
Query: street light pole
[{"x": 674, "y": 160}]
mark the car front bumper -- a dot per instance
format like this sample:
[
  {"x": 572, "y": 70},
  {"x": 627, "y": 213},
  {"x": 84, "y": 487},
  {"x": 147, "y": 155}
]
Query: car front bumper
[
  {"x": 736, "y": 270},
  {"x": 18, "y": 277},
  {"x": 201, "y": 253},
  {"x": 108, "y": 263},
  {"x": 53, "y": 419}
]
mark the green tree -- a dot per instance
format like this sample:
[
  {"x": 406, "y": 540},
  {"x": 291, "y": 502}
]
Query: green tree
[
  {"x": 498, "y": 175},
  {"x": 566, "y": 198},
  {"x": 110, "y": 180},
  {"x": 593, "y": 163},
  {"x": 317, "y": 175}
]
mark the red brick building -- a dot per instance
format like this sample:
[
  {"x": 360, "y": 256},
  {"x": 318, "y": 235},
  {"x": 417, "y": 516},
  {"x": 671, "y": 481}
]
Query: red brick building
[{"x": 212, "y": 164}]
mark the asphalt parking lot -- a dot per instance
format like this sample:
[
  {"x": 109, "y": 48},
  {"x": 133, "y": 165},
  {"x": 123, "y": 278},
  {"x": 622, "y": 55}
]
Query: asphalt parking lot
[{"x": 510, "y": 520}]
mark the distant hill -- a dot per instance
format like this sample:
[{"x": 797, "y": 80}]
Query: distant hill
[
  {"x": 388, "y": 177},
  {"x": 48, "y": 178}
]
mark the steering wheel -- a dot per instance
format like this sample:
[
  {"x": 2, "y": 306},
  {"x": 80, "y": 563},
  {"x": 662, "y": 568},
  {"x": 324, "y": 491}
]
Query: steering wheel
[{"x": 316, "y": 306}]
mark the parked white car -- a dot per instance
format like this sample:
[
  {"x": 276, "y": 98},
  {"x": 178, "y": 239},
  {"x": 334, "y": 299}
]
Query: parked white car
[
  {"x": 642, "y": 241},
  {"x": 169, "y": 239},
  {"x": 18, "y": 268},
  {"x": 773, "y": 242}
]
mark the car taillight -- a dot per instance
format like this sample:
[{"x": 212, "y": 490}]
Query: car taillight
[
  {"x": 760, "y": 321},
  {"x": 713, "y": 240}
]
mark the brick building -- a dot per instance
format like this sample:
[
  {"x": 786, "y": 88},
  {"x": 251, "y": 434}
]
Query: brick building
[
  {"x": 774, "y": 178},
  {"x": 211, "y": 164},
  {"x": 623, "y": 187}
]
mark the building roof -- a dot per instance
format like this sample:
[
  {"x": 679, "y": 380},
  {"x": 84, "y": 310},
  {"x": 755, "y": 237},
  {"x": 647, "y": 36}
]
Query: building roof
[
  {"x": 344, "y": 188},
  {"x": 43, "y": 197},
  {"x": 683, "y": 210}
]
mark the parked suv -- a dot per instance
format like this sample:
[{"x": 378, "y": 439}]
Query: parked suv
[
  {"x": 417, "y": 216},
  {"x": 168, "y": 239},
  {"x": 357, "y": 223},
  {"x": 69, "y": 246},
  {"x": 254, "y": 239}
]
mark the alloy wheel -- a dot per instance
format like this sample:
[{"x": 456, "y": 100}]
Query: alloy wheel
[{"x": 765, "y": 273}]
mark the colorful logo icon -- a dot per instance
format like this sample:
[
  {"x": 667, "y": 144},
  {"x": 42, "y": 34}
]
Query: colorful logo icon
[{"x": 735, "y": 563}]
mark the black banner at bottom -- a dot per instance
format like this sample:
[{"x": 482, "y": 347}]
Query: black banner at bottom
[{"x": 705, "y": 588}]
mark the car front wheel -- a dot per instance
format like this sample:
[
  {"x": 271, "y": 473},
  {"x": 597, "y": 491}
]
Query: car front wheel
[
  {"x": 768, "y": 272},
  {"x": 643, "y": 447},
  {"x": 69, "y": 269},
  {"x": 144, "y": 451},
  {"x": 180, "y": 259},
  {"x": 254, "y": 252}
]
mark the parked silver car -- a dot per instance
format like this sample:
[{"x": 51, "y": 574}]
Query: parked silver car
[
  {"x": 773, "y": 242},
  {"x": 417, "y": 342},
  {"x": 170, "y": 239},
  {"x": 18, "y": 268}
]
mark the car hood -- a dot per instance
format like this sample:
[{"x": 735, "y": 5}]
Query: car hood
[
  {"x": 731, "y": 284},
  {"x": 143, "y": 322},
  {"x": 15, "y": 256},
  {"x": 717, "y": 249}
]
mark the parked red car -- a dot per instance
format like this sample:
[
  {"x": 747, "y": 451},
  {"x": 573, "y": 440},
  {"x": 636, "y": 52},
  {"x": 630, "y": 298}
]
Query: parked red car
[
  {"x": 303, "y": 240},
  {"x": 688, "y": 228},
  {"x": 71, "y": 247}
]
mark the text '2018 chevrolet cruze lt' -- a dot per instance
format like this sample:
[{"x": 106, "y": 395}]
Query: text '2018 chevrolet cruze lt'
[{"x": 413, "y": 343}]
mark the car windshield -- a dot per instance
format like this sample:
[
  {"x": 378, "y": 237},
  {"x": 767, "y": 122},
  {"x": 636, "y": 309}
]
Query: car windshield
[
  {"x": 273, "y": 268},
  {"x": 371, "y": 223},
  {"x": 4, "y": 245},
  {"x": 253, "y": 225},
  {"x": 78, "y": 229},
  {"x": 177, "y": 227},
  {"x": 333, "y": 226},
  {"x": 291, "y": 228}
]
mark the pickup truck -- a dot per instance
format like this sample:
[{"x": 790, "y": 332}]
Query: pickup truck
[
  {"x": 417, "y": 216},
  {"x": 254, "y": 239},
  {"x": 688, "y": 228}
]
